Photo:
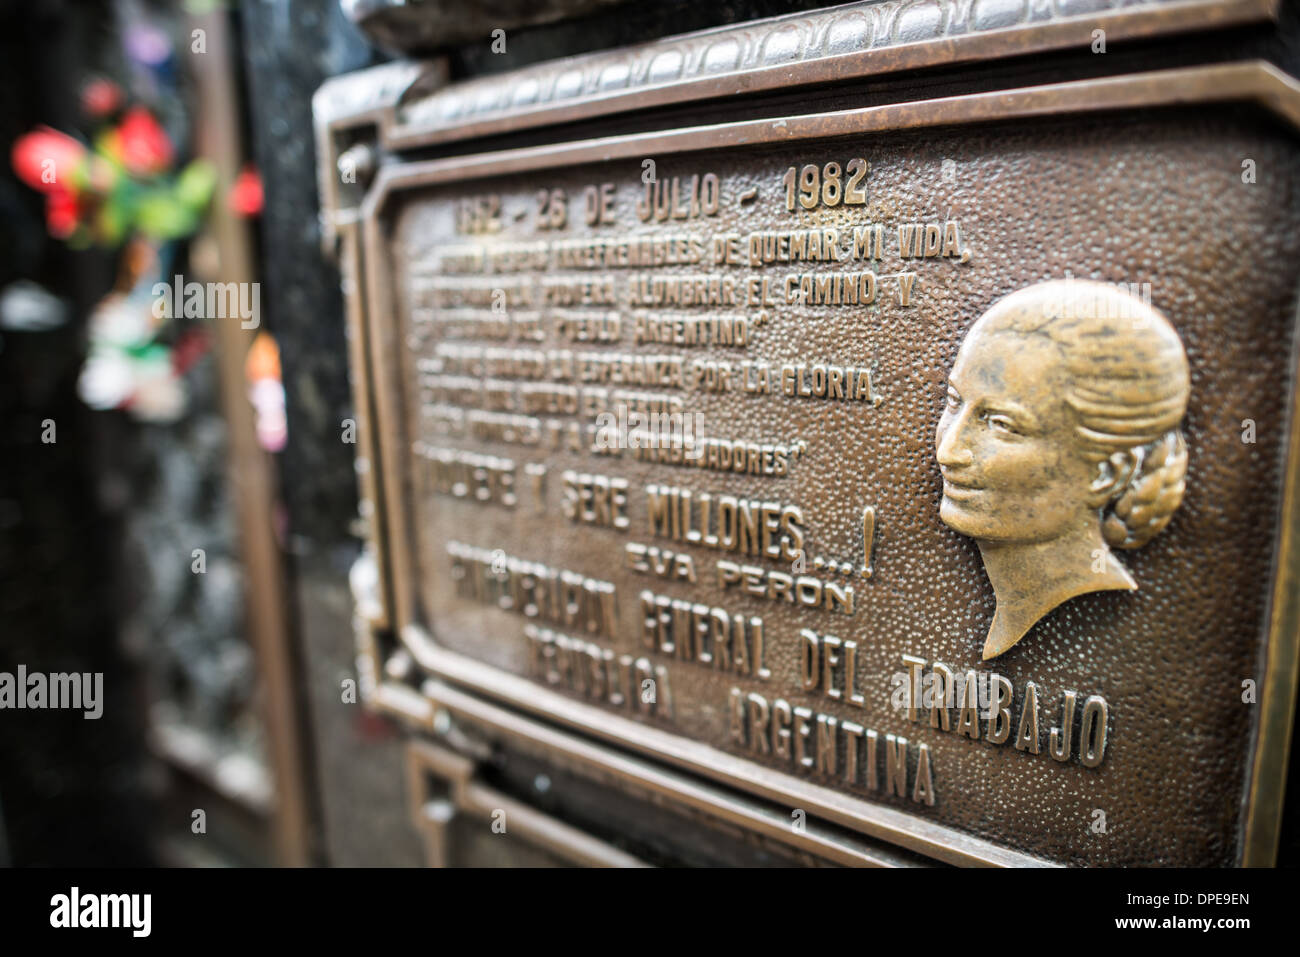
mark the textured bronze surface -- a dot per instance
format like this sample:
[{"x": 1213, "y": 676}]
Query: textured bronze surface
[{"x": 501, "y": 288}]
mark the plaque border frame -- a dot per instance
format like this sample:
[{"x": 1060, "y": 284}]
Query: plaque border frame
[
  {"x": 444, "y": 712},
  {"x": 360, "y": 236}
]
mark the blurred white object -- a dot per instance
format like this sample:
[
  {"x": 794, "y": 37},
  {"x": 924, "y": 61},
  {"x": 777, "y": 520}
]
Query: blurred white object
[
  {"x": 107, "y": 379},
  {"x": 26, "y": 306},
  {"x": 160, "y": 394}
]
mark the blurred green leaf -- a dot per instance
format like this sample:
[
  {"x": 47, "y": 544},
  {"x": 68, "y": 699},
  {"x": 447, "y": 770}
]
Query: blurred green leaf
[
  {"x": 160, "y": 216},
  {"x": 111, "y": 222},
  {"x": 196, "y": 184}
]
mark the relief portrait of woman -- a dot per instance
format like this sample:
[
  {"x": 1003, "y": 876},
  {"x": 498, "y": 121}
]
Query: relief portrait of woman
[{"x": 1061, "y": 441}]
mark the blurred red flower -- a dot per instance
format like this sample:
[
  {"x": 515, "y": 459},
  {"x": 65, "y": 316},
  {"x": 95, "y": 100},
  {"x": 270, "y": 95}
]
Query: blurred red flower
[
  {"x": 100, "y": 97},
  {"x": 246, "y": 193},
  {"x": 61, "y": 213},
  {"x": 46, "y": 159},
  {"x": 144, "y": 147}
]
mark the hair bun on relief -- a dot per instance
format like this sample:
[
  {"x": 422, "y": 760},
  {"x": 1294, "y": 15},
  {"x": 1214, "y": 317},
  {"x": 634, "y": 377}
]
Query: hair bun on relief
[{"x": 1152, "y": 494}]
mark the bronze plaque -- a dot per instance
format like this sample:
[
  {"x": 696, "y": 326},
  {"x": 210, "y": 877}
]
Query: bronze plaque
[{"x": 916, "y": 469}]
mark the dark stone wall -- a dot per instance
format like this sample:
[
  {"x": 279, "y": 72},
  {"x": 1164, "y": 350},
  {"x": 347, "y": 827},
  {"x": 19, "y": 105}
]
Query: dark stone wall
[
  {"x": 289, "y": 49},
  {"x": 71, "y": 789}
]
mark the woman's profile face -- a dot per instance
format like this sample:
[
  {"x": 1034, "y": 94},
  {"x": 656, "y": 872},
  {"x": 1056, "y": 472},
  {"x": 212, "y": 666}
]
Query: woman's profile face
[{"x": 1006, "y": 443}]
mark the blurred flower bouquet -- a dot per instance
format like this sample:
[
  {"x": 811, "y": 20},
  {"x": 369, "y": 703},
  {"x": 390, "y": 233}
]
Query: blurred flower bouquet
[
  {"x": 123, "y": 192},
  {"x": 124, "y": 184}
]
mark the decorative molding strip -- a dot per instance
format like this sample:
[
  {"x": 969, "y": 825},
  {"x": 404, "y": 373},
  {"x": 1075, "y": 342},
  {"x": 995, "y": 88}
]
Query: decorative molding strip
[
  {"x": 857, "y": 39},
  {"x": 355, "y": 94}
]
